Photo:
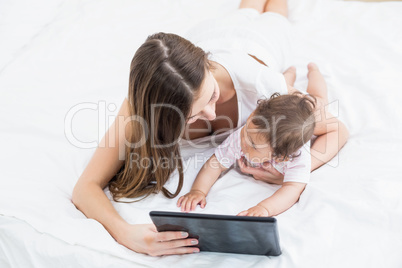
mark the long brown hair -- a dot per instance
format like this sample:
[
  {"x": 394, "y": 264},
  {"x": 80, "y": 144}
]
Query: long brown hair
[
  {"x": 287, "y": 122},
  {"x": 165, "y": 77}
]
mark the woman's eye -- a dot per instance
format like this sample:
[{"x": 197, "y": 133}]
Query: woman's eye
[
  {"x": 213, "y": 97},
  {"x": 191, "y": 120}
]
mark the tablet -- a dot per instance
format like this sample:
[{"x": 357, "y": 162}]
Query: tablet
[{"x": 222, "y": 233}]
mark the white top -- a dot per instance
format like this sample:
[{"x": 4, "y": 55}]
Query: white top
[
  {"x": 230, "y": 39},
  {"x": 296, "y": 170},
  {"x": 267, "y": 36},
  {"x": 251, "y": 79}
]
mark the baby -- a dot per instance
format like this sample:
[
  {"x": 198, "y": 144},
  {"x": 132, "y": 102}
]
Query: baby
[{"x": 274, "y": 133}]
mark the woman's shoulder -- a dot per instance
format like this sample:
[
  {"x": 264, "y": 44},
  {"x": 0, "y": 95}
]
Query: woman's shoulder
[
  {"x": 248, "y": 73},
  {"x": 242, "y": 68}
]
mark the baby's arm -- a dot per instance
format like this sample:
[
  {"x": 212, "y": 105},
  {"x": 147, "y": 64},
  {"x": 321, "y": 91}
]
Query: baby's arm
[
  {"x": 279, "y": 202},
  {"x": 207, "y": 176}
]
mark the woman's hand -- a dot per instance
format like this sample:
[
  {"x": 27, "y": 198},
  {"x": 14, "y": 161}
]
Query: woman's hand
[
  {"x": 190, "y": 201},
  {"x": 144, "y": 238},
  {"x": 266, "y": 173}
]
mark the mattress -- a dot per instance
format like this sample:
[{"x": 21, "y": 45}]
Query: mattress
[{"x": 64, "y": 72}]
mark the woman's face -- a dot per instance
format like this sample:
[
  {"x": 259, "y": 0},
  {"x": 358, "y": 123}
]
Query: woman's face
[{"x": 204, "y": 106}]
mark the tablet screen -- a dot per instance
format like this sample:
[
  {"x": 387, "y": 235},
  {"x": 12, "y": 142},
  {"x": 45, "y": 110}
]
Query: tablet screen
[{"x": 222, "y": 233}]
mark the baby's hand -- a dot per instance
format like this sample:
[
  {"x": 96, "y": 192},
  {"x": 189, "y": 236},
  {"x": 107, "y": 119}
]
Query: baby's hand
[
  {"x": 257, "y": 211},
  {"x": 190, "y": 201}
]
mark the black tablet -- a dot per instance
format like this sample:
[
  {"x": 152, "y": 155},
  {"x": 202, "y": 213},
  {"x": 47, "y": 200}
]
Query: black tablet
[{"x": 221, "y": 233}]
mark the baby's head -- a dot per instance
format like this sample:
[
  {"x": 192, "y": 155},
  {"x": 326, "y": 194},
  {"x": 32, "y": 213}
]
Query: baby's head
[{"x": 279, "y": 127}]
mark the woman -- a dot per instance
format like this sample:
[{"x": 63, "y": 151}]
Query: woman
[{"x": 176, "y": 92}]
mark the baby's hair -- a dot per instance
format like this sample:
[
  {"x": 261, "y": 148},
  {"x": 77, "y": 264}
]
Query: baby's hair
[{"x": 286, "y": 122}]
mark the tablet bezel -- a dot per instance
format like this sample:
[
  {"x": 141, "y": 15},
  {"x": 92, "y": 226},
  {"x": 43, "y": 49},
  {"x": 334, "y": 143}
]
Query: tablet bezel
[{"x": 174, "y": 226}]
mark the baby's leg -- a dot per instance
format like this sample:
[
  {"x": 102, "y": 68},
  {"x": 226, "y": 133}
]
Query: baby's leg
[
  {"x": 331, "y": 133},
  {"x": 277, "y": 6},
  {"x": 256, "y": 4},
  {"x": 316, "y": 84},
  {"x": 318, "y": 88},
  {"x": 290, "y": 76}
]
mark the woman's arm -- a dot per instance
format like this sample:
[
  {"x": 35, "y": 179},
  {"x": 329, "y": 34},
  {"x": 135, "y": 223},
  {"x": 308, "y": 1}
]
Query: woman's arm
[
  {"x": 266, "y": 173},
  {"x": 88, "y": 197},
  {"x": 207, "y": 176},
  {"x": 279, "y": 202}
]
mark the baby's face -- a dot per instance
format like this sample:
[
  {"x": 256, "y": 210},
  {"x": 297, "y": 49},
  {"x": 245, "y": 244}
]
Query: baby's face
[{"x": 253, "y": 144}]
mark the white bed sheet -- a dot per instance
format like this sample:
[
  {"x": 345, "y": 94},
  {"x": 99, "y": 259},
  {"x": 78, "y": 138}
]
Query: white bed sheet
[{"x": 57, "y": 54}]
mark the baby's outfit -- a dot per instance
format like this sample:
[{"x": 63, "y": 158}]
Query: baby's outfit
[{"x": 295, "y": 170}]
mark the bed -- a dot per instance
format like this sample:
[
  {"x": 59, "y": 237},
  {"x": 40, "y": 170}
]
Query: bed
[{"x": 64, "y": 73}]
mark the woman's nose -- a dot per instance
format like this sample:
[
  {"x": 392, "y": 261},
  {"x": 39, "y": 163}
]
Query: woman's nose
[{"x": 209, "y": 112}]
